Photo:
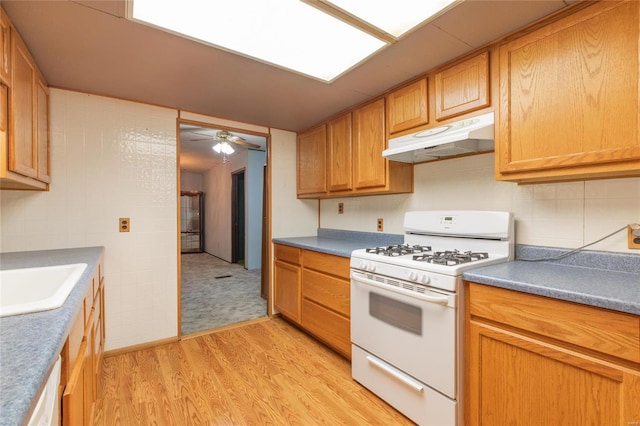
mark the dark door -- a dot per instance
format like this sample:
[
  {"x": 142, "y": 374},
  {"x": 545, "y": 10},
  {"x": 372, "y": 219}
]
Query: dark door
[{"x": 237, "y": 217}]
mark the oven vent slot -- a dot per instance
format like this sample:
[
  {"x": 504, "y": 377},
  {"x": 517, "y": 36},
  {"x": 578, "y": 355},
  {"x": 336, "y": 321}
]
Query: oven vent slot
[{"x": 404, "y": 285}]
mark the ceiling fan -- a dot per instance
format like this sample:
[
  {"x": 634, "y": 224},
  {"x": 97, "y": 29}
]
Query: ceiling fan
[{"x": 225, "y": 139}]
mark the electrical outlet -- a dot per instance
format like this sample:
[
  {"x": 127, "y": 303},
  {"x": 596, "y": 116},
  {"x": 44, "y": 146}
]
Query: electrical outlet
[
  {"x": 340, "y": 208},
  {"x": 380, "y": 224},
  {"x": 124, "y": 224},
  {"x": 633, "y": 236}
]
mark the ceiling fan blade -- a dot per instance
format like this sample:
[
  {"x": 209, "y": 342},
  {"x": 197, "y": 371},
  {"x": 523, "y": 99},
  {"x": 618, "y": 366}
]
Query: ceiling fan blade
[
  {"x": 205, "y": 139},
  {"x": 245, "y": 143},
  {"x": 204, "y": 135}
]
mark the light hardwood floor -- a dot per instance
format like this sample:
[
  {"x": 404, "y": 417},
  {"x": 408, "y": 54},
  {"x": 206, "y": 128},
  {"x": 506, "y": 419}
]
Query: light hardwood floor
[{"x": 266, "y": 372}]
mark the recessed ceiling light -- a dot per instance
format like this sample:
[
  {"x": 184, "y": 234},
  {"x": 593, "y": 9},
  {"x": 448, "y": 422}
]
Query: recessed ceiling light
[
  {"x": 394, "y": 17},
  {"x": 290, "y": 34}
]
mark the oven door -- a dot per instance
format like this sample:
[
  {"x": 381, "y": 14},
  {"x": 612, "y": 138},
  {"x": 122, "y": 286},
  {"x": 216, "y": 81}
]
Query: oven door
[{"x": 413, "y": 332}]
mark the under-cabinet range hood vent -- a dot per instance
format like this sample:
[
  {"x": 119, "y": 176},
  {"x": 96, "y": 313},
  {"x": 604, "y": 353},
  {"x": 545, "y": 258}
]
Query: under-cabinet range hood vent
[{"x": 462, "y": 137}]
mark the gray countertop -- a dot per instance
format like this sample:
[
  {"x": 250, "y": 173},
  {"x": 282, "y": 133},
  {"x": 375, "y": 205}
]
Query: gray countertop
[
  {"x": 30, "y": 343},
  {"x": 605, "y": 280},
  {"x": 339, "y": 242}
]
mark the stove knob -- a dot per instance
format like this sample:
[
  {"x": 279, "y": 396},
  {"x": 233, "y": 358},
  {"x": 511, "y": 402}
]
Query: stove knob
[
  {"x": 424, "y": 279},
  {"x": 413, "y": 276},
  {"x": 371, "y": 267}
]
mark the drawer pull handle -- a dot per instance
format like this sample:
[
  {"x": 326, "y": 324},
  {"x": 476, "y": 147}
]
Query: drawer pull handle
[{"x": 413, "y": 384}]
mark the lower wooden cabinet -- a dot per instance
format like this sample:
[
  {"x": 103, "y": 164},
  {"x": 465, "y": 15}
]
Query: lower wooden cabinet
[
  {"x": 82, "y": 357},
  {"x": 286, "y": 280},
  {"x": 535, "y": 360},
  {"x": 312, "y": 290}
]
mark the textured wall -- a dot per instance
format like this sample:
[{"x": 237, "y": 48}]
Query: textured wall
[
  {"x": 110, "y": 159},
  {"x": 558, "y": 215}
]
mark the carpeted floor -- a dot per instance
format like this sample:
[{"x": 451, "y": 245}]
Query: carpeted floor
[{"x": 216, "y": 293}]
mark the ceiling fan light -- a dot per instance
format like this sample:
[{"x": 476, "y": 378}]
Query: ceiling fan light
[
  {"x": 223, "y": 147},
  {"x": 226, "y": 148}
]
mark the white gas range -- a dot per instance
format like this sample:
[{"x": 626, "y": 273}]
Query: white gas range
[{"x": 406, "y": 325}]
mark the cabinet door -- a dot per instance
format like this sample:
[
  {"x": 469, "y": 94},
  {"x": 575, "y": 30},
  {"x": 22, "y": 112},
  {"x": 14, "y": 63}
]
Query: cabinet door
[
  {"x": 407, "y": 107},
  {"x": 286, "y": 279},
  {"x": 569, "y": 97},
  {"x": 42, "y": 131},
  {"x": 463, "y": 87},
  {"x": 312, "y": 161},
  {"x": 516, "y": 379},
  {"x": 340, "y": 159},
  {"x": 369, "y": 140},
  {"x": 73, "y": 398},
  {"x": 22, "y": 138},
  {"x": 5, "y": 48}
]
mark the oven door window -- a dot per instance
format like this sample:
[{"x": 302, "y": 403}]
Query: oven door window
[{"x": 395, "y": 313}]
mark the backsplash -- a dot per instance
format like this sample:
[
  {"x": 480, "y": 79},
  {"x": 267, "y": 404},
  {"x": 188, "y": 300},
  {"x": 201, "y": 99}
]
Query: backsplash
[
  {"x": 555, "y": 215},
  {"x": 109, "y": 159}
]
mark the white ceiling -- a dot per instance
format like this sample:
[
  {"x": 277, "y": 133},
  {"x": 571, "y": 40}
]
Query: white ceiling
[{"x": 88, "y": 46}]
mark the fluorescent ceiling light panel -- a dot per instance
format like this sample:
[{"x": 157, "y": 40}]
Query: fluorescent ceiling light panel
[
  {"x": 287, "y": 33},
  {"x": 394, "y": 17}
]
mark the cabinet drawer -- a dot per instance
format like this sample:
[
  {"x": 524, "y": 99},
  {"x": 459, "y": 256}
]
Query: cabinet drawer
[
  {"x": 601, "y": 330},
  {"x": 327, "y": 263},
  {"x": 328, "y": 326},
  {"x": 327, "y": 291},
  {"x": 287, "y": 254}
]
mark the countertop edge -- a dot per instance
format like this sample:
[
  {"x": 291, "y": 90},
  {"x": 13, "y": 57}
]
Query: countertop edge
[
  {"x": 19, "y": 406},
  {"x": 339, "y": 243},
  {"x": 501, "y": 276}
]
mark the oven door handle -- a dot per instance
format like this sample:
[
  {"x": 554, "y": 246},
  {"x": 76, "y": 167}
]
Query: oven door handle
[
  {"x": 413, "y": 384},
  {"x": 441, "y": 300}
]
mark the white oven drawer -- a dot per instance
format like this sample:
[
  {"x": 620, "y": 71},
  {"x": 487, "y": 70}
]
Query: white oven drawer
[
  {"x": 415, "y": 335},
  {"x": 412, "y": 398}
]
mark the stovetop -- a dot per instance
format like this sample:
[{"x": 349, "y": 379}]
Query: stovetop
[
  {"x": 440, "y": 245},
  {"x": 421, "y": 253}
]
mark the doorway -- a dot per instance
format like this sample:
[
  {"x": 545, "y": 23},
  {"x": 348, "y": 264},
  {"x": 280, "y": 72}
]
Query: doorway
[
  {"x": 237, "y": 217},
  {"x": 222, "y": 285}
]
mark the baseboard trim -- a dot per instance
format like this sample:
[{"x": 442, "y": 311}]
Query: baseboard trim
[
  {"x": 225, "y": 327},
  {"x": 148, "y": 345},
  {"x": 141, "y": 346}
]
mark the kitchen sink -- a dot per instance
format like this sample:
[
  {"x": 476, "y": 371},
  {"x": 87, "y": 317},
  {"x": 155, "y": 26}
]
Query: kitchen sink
[{"x": 38, "y": 289}]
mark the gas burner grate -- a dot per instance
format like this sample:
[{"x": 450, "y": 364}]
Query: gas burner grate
[
  {"x": 450, "y": 257},
  {"x": 398, "y": 250}
]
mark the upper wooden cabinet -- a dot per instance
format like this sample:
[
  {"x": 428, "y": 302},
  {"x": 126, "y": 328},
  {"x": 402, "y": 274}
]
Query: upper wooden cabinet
[
  {"x": 312, "y": 162},
  {"x": 340, "y": 154},
  {"x": 369, "y": 140},
  {"x": 24, "y": 141},
  {"x": 42, "y": 131},
  {"x": 569, "y": 98},
  {"x": 463, "y": 87},
  {"x": 450, "y": 91},
  {"x": 5, "y": 48},
  {"x": 347, "y": 153},
  {"x": 407, "y": 107}
]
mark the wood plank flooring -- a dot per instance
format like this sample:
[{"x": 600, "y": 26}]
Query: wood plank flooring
[{"x": 262, "y": 373}]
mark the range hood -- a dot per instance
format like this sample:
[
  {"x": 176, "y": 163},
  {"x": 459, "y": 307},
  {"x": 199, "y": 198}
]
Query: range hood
[{"x": 462, "y": 137}]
